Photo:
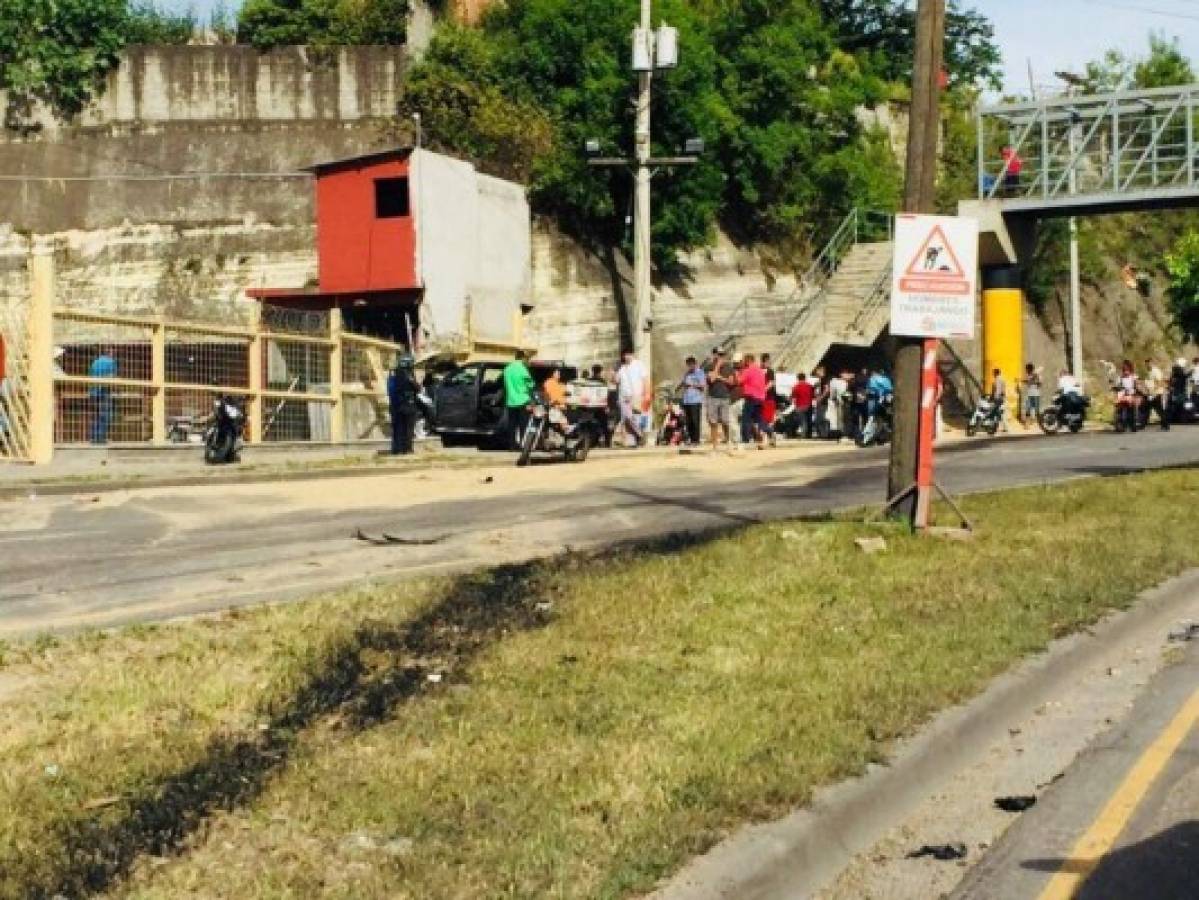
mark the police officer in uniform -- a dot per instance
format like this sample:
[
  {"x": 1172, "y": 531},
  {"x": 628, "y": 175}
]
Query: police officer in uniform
[{"x": 402, "y": 391}]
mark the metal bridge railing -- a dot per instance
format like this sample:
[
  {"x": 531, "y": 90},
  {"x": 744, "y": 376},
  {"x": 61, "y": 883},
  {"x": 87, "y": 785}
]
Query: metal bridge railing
[{"x": 1119, "y": 144}]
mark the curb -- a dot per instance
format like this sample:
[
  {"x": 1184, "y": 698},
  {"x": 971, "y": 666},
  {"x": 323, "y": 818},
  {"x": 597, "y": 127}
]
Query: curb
[
  {"x": 17, "y": 490},
  {"x": 798, "y": 855}
]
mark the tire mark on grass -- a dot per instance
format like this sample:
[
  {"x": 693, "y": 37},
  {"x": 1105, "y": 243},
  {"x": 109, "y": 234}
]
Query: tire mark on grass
[{"x": 359, "y": 683}]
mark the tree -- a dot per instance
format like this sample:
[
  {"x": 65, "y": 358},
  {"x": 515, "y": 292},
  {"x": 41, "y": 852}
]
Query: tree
[
  {"x": 57, "y": 51},
  {"x": 1182, "y": 265},
  {"x": 1165, "y": 65},
  {"x": 761, "y": 81},
  {"x": 322, "y": 23},
  {"x": 883, "y": 32}
]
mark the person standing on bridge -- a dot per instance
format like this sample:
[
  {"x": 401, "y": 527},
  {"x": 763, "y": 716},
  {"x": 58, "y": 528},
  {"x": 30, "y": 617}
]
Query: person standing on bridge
[{"x": 1013, "y": 166}]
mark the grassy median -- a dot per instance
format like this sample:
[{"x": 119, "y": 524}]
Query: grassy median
[{"x": 573, "y": 728}]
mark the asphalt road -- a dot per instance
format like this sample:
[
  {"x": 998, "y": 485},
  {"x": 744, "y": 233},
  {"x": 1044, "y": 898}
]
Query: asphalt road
[
  {"x": 1123, "y": 821},
  {"x": 144, "y": 555}
]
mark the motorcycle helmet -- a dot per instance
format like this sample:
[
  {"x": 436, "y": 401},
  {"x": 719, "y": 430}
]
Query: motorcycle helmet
[{"x": 406, "y": 361}]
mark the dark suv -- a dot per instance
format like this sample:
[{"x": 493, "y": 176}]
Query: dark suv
[{"x": 468, "y": 402}]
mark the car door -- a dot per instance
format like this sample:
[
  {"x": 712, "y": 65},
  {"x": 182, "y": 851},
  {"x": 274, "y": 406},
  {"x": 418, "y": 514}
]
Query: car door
[
  {"x": 457, "y": 400},
  {"x": 491, "y": 397}
]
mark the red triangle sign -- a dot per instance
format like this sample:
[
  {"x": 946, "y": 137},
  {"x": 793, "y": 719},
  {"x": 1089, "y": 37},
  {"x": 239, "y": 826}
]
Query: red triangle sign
[{"x": 935, "y": 268}]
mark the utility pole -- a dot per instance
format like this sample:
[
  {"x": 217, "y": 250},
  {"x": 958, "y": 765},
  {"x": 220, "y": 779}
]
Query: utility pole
[
  {"x": 1076, "y": 364},
  {"x": 652, "y": 50},
  {"x": 643, "y": 316},
  {"x": 919, "y": 196}
]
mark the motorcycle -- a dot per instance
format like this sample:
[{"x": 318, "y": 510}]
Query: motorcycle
[
  {"x": 880, "y": 425},
  {"x": 1182, "y": 407},
  {"x": 987, "y": 417},
  {"x": 572, "y": 439},
  {"x": 225, "y": 432},
  {"x": 1066, "y": 411},
  {"x": 1132, "y": 413},
  {"x": 674, "y": 428}
]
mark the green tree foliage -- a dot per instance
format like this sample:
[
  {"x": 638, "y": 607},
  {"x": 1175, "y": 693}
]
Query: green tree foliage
[
  {"x": 762, "y": 82},
  {"x": 883, "y": 32},
  {"x": 322, "y": 23},
  {"x": 1164, "y": 65},
  {"x": 151, "y": 24},
  {"x": 57, "y": 51},
  {"x": 1182, "y": 266}
]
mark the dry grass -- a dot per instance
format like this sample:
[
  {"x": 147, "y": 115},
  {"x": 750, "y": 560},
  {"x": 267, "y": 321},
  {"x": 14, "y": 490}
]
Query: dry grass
[{"x": 568, "y": 729}]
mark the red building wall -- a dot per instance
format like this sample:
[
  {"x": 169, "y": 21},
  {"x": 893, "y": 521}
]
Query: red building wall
[{"x": 357, "y": 250}]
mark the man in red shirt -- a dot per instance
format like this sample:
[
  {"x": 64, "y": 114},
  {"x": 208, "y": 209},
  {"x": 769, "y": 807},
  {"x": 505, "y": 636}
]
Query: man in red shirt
[
  {"x": 802, "y": 397},
  {"x": 1013, "y": 165},
  {"x": 753, "y": 389}
]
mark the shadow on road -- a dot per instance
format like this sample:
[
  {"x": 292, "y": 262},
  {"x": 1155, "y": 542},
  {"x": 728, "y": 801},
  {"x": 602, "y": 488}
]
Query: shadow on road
[{"x": 1162, "y": 866}]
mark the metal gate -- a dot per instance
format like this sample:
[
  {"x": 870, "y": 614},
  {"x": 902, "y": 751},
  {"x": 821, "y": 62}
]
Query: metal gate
[{"x": 15, "y": 408}]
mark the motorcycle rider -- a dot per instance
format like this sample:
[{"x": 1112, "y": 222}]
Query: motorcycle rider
[
  {"x": 1179, "y": 389},
  {"x": 402, "y": 391},
  {"x": 1069, "y": 391},
  {"x": 555, "y": 401},
  {"x": 1128, "y": 395}
]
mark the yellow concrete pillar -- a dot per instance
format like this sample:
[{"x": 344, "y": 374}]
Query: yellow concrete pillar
[
  {"x": 1003, "y": 330},
  {"x": 41, "y": 358}
]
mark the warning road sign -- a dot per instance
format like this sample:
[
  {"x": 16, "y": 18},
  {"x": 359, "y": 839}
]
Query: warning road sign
[{"x": 935, "y": 277}]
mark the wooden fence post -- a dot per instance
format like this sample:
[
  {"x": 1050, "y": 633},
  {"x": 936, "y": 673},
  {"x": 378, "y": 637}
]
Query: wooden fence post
[
  {"x": 158, "y": 377},
  {"x": 257, "y": 382},
  {"x": 41, "y": 358},
  {"x": 337, "y": 415}
]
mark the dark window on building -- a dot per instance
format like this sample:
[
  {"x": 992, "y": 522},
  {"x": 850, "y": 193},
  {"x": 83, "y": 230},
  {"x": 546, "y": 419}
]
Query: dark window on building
[{"x": 391, "y": 198}]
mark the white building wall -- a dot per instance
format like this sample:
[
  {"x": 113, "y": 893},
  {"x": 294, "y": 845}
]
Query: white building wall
[{"x": 473, "y": 250}]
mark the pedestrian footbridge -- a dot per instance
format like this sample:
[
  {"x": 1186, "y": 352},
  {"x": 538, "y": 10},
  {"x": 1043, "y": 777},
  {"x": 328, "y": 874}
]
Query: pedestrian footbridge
[{"x": 1129, "y": 151}]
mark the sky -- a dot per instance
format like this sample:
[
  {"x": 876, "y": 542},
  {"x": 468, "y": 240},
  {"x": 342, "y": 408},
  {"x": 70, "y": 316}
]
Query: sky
[{"x": 1053, "y": 34}]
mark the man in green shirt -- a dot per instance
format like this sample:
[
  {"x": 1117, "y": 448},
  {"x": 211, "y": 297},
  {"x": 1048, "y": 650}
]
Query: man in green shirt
[{"x": 518, "y": 394}]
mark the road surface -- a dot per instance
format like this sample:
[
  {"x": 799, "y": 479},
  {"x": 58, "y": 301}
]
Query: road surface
[
  {"x": 1123, "y": 821},
  {"x": 143, "y": 555}
]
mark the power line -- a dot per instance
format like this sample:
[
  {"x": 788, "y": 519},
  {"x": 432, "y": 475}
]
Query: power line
[{"x": 1149, "y": 11}]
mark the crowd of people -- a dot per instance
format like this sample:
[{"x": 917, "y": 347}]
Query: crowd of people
[{"x": 733, "y": 400}]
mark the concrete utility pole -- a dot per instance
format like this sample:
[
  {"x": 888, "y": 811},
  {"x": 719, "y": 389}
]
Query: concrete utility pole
[
  {"x": 652, "y": 50},
  {"x": 919, "y": 196},
  {"x": 643, "y": 316},
  {"x": 1074, "y": 82}
]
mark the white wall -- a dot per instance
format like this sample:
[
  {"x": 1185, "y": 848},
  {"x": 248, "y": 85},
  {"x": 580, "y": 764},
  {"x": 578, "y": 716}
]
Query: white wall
[{"x": 473, "y": 249}]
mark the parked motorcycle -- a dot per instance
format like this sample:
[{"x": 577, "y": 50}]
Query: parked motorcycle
[
  {"x": 880, "y": 425},
  {"x": 226, "y": 430},
  {"x": 551, "y": 431},
  {"x": 1068, "y": 410},
  {"x": 987, "y": 417}
]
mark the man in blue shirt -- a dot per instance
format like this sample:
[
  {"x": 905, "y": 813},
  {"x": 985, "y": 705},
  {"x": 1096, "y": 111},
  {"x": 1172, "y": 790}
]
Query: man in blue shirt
[
  {"x": 695, "y": 389},
  {"x": 878, "y": 387},
  {"x": 103, "y": 366}
]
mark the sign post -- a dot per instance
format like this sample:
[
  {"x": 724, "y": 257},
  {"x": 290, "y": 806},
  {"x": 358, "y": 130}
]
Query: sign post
[{"x": 933, "y": 291}]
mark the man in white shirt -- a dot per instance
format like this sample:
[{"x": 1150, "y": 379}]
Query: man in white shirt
[
  {"x": 632, "y": 389},
  {"x": 1155, "y": 391}
]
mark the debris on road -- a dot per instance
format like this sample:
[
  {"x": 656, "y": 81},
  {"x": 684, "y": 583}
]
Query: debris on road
[
  {"x": 1188, "y": 632},
  {"x": 871, "y": 545},
  {"x": 384, "y": 538},
  {"x": 943, "y": 852},
  {"x": 1015, "y": 804}
]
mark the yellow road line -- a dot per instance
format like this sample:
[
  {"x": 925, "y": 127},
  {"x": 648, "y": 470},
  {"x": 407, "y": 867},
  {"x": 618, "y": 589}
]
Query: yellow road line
[{"x": 1111, "y": 822}]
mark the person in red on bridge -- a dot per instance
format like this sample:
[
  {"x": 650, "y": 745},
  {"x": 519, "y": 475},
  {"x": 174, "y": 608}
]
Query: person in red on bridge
[{"x": 1013, "y": 166}]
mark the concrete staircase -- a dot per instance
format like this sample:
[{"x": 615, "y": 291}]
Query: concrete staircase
[
  {"x": 852, "y": 309},
  {"x": 842, "y": 299}
]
